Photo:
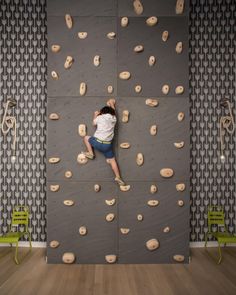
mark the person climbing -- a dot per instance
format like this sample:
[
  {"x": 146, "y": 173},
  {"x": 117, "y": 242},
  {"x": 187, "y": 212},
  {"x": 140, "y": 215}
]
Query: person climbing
[{"x": 105, "y": 120}]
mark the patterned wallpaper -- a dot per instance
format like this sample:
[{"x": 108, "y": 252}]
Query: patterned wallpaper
[{"x": 23, "y": 75}]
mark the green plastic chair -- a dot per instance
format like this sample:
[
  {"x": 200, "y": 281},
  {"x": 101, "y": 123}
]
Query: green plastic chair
[
  {"x": 20, "y": 216},
  {"x": 216, "y": 216}
]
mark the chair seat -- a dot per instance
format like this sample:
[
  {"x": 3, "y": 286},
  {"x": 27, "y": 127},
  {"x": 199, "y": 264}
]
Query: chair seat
[
  {"x": 224, "y": 237},
  {"x": 11, "y": 237}
]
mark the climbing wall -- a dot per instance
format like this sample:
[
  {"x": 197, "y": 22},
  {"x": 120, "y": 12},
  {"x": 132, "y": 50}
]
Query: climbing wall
[{"x": 142, "y": 53}]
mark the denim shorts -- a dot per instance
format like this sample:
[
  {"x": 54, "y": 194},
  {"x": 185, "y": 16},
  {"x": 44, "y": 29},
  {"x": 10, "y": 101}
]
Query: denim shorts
[{"x": 104, "y": 148}]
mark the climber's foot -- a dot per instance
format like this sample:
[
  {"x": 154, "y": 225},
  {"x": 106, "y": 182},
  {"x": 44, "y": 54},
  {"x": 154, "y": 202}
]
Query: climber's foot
[
  {"x": 119, "y": 181},
  {"x": 88, "y": 155}
]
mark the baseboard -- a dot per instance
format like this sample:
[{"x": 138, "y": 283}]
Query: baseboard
[
  {"x": 26, "y": 244},
  {"x": 209, "y": 244}
]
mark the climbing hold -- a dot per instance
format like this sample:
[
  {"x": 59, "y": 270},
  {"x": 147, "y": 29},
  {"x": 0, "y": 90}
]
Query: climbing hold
[
  {"x": 82, "y": 130},
  {"x": 139, "y": 159},
  {"x": 69, "y": 21},
  {"x": 165, "y": 89},
  {"x": 54, "y": 244},
  {"x": 180, "y": 203},
  {"x": 111, "y": 35},
  {"x": 97, "y": 188},
  {"x": 179, "y": 145},
  {"x": 110, "y": 202},
  {"x": 152, "y": 244},
  {"x": 82, "y": 35},
  {"x": 54, "y": 160},
  {"x": 110, "y": 217},
  {"x": 180, "y": 116},
  {"x": 167, "y": 172},
  {"x": 82, "y": 88},
  {"x": 54, "y": 116},
  {"x": 179, "y": 8},
  {"x": 124, "y": 231},
  {"x": 153, "y": 189},
  {"x": 179, "y": 47},
  {"x": 124, "y": 21},
  {"x": 81, "y": 159},
  {"x": 54, "y": 75},
  {"x": 138, "y": 7},
  {"x": 178, "y": 258},
  {"x": 140, "y": 217},
  {"x": 68, "y": 257},
  {"x": 151, "y": 60},
  {"x": 153, "y": 130},
  {"x": 165, "y": 36},
  {"x": 110, "y": 89},
  {"x": 125, "y": 116},
  {"x": 179, "y": 90},
  {"x": 151, "y": 102},
  {"x": 124, "y": 75},
  {"x": 138, "y": 88},
  {"x": 54, "y": 187},
  {"x": 68, "y": 62},
  {"x": 138, "y": 48},
  {"x": 110, "y": 258},
  {"x": 153, "y": 203},
  {"x": 83, "y": 230},
  {"x": 96, "y": 60},
  {"x": 55, "y": 48},
  {"x": 125, "y": 188},
  {"x": 68, "y": 202},
  {"x": 180, "y": 187},
  {"x": 166, "y": 229},
  {"x": 125, "y": 145},
  {"x": 68, "y": 174},
  {"x": 152, "y": 21}
]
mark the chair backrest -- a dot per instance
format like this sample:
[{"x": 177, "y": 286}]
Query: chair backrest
[
  {"x": 20, "y": 216},
  {"x": 216, "y": 216}
]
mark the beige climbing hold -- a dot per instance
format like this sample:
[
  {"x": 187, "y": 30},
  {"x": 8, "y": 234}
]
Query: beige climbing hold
[
  {"x": 68, "y": 174},
  {"x": 165, "y": 36},
  {"x": 54, "y": 160},
  {"x": 54, "y": 244},
  {"x": 54, "y": 116},
  {"x": 179, "y": 47},
  {"x": 81, "y": 159},
  {"x": 180, "y": 203},
  {"x": 110, "y": 202},
  {"x": 180, "y": 116},
  {"x": 82, "y": 35},
  {"x": 139, "y": 159},
  {"x": 153, "y": 130},
  {"x": 140, "y": 217},
  {"x": 151, "y": 60},
  {"x": 180, "y": 187},
  {"x": 153, "y": 189},
  {"x": 69, "y": 21},
  {"x": 110, "y": 217},
  {"x": 82, "y": 130},
  {"x": 68, "y": 202},
  {"x": 138, "y": 7},
  {"x": 68, "y": 257},
  {"x": 96, "y": 60},
  {"x": 153, "y": 203},
  {"x": 54, "y": 187},
  {"x": 68, "y": 62},
  {"x": 110, "y": 89},
  {"x": 82, "y": 88},
  {"x": 152, "y": 21},
  {"x": 179, "y": 90},
  {"x": 138, "y": 88},
  {"x": 138, "y": 48},
  {"x": 152, "y": 244},
  {"x": 97, "y": 188},
  {"x": 151, "y": 102},
  {"x": 55, "y": 48},
  {"x": 178, "y": 258},
  {"x": 165, "y": 89},
  {"x": 167, "y": 172},
  {"x": 110, "y": 258},
  {"x": 83, "y": 230},
  {"x": 125, "y": 145},
  {"x": 111, "y": 35},
  {"x": 166, "y": 229},
  {"x": 124, "y": 231},
  {"x": 124, "y": 75},
  {"x": 125, "y": 188},
  {"x": 125, "y": 116},
  {"x": 124, "y": 21},
  {"x": 54, "y": 75},
  {"x": 179, "y": 8},
  {"x": 179, "y": 145}
]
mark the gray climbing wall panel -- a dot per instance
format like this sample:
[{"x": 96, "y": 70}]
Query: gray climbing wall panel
[{"x": 90, "y": 209}]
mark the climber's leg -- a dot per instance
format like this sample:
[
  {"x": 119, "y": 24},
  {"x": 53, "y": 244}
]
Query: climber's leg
[
  {"x": 116, "y": 170},
  {"x": 90, "y": 153}
]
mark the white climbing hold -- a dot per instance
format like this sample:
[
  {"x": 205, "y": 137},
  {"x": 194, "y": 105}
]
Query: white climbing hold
[
  {"x": 69, "y": 21},
  {"x": 165, "y": 89},
  {"x": 180, "y": 116},
  {"x": 151, "y": 102},
  {"x": 167, "y": 172},
  {"x": 179, "y": 8},
  {"x": 83, "y": 230},
  {"x": 54, "y": 75},
  {"x": 153, "y": 189},
  {"x": 138, "y": 7},
  {"x": 96, "y": 60},
  {"x": 152, "y": 21},
  {"x": 125, "y": 116},
  {"x": 124, "y": 75},
  {"x": 54, "y": 160},
  {"x": 152, "y": 244},
  {"x": 178, "y": 258},
  {"x": 153, "y": 130},
  {"x": 125, "y": 145},
  {"x": 179, "y": 145},
  {"x": 110, "y": 202},
  {"x": 124, "y": 231},
  {"x": 153, "y": 203},
  {"x": 125, "y": 188},
  {"x": 110, "y": 258},
  {"x": 54, "y": 244},
  {"x": 179, "y": 47},
  {"x": 68, "y": 174},
  {"x": 151, "y": 60},
  {"x": 179, "y": 90},
  {"x": 54, "y": 116},
  {"x": 68, "y": 257},
  {"x": 110, "y": 89},
  {"x": 139, "y": 159},
  {"x": 180, "y": 187},
  {"x": 111, "y": 35},
  {"x": 97, "y": 188},
  {"x": 68, "y": 202},
  {"x": 82, "y": 35},
  {"x": 124, "y": 21},
  {"x": 140, "y": 217},
  {"x": 54, "y": 187},
  {"x": 68, "y": 62},
  {"x": 82, "y": 88},
  {"x": 55, "y": 48},
  {"x": 180, "y": 203},
  {"x": 110, "y": 217},
  {"x": 165, "y": 36},
  {"x": 82, "y": 130},
  {"x": 138, "y": 48},
  {"x": 81, "y": 159},
  {"x": 138, "y": 88},
  {"x": 166, "y": 229}
]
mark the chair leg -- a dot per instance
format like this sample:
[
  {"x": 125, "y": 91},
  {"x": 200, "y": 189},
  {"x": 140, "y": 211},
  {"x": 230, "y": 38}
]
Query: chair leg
[
  {"x": 16, "y": 254},
  {"x": 30, "y": 241},
  {"x": 206, "y": 239},
  {"x": 220, "y": 255}
]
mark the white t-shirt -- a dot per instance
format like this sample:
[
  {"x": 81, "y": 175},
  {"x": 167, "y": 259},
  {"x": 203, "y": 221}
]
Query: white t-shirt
[{"x": 105, "y": 127}]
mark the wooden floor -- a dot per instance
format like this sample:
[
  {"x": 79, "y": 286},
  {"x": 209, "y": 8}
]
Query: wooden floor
[{"x": 34, "y": 277}]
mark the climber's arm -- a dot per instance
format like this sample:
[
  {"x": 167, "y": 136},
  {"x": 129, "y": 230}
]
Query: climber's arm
[
  {"x": 112, "y": 103},
  {"x": 95, "y": 115}
]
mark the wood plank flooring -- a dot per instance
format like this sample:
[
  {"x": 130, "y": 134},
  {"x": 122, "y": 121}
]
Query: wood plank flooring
[{"x": 34, "y": 277}]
